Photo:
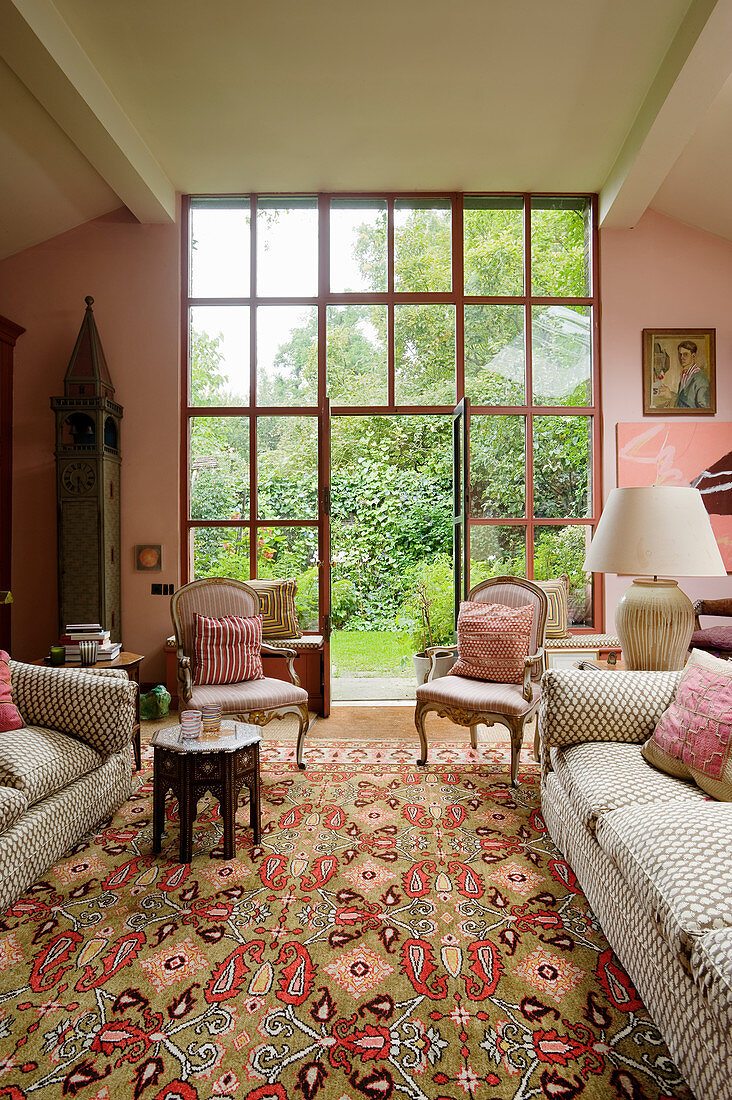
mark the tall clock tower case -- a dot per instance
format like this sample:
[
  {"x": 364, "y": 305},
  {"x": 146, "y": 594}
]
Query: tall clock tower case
[{"x": 88, "y": 462}]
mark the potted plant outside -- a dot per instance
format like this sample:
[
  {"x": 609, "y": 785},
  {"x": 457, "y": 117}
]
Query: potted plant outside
[{"x": 429, "y": 614}]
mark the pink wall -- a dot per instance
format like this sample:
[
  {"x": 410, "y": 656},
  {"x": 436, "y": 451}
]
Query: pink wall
[
  {"x": 661, "y": 273},
  {"x": 132, "y": 272},
  {"x": 664, "y": 274}
]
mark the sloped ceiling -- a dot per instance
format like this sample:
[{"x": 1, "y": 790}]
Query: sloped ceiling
[{"x": 111, "y": 104}]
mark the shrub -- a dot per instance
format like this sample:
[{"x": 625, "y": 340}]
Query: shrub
[{"x": 427, "y": 613}]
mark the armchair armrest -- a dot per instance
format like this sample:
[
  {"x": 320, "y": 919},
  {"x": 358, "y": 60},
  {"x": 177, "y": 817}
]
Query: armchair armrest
[
  {"x": 99, "y": 710},
  {"x": 530, "y": 663},
  {"x": 713, "y": 607},
  {"x": 185, "y": 678},
  {"x": 288, "y": 654},
  {"x": 579, "y": 706},
  {"x": 278, "y": 650}
]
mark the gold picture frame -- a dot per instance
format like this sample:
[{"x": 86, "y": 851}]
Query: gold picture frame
[{"x": 679, "y": 372}]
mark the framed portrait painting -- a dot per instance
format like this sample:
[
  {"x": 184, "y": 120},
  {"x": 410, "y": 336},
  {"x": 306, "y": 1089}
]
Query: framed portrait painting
[{"x": 679, "y": 372}]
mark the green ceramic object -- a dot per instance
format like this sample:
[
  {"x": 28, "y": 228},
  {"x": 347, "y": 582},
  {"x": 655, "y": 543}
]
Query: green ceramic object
[{"x": 155, "y": 703}]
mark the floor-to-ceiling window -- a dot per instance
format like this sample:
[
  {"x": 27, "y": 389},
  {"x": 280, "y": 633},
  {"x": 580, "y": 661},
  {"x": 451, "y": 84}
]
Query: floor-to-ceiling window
[{"x": 365, "y": 318}]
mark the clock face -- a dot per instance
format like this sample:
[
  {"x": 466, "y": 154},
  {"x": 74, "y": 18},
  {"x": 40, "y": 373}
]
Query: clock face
[{"x": 78, "y": 477}]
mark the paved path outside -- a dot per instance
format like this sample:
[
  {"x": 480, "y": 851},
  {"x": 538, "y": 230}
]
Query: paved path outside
[{"x": 353, "y": 689}]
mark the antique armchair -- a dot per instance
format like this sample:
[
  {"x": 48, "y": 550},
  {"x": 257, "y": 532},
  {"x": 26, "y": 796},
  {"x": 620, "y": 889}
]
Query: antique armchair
[
  {"x": 255, "y": 701},
  {"x": 714, "y": 639},
  {"x": 469, "y": 702}
]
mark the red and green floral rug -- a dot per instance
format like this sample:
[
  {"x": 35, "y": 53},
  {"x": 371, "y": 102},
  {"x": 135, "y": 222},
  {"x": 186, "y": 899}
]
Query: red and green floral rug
[{"x": 401, "y": 933}]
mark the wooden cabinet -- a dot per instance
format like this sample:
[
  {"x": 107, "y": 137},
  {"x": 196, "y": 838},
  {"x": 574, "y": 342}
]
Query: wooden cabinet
[{"x": 9, "y": 333}]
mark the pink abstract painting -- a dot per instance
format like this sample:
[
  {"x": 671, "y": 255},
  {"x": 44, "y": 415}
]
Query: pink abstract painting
[{"x": 677, "y": 453}]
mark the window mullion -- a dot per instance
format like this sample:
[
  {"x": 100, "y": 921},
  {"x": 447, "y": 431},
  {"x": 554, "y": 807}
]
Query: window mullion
[
  {"x": 529, "y": 382},
  {"x": 390, "y": 320},
  {"x": 458, "y": 286}
]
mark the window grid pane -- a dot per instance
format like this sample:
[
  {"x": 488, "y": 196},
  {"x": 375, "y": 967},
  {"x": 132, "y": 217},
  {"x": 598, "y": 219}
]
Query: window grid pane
[
  {"x": 220, "y": 243},
  {"x": 495, "y": 355},
  {"x": 493, "y": 241},
  {"x": 287, "y": 248},
  {"x": 560, "y": 247},
  {"x": 219, "y": 355},
  {"x": 422, "y": 245}
]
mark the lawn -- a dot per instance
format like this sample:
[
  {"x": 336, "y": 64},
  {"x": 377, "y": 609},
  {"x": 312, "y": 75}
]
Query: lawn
[{"x": 370, "y": 652}]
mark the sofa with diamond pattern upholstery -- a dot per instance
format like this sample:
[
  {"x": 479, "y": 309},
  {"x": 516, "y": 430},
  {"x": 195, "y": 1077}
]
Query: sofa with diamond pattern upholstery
[
  {"x": 65, "y": 770},
  {"x": 651, "y": 853}
]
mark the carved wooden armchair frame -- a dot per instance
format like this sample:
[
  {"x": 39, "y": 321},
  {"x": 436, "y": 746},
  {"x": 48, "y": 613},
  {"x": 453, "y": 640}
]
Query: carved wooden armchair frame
[
  {"x": 505, "y": 589},
  {"x": 216, "y": 597}
]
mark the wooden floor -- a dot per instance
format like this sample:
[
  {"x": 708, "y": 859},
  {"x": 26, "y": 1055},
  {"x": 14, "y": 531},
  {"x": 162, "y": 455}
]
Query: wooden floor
[{"x": 367, "y": 723}]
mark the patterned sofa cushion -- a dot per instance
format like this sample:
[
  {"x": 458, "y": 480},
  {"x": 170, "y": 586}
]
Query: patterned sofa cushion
[
  {"x": 579, "y": 706},
  {"x": 602, "y": 776},
  {"x": 711, "y": 968},
  {"x": 100, "y": 710},
  {"x": 693, "y": 739},
  {"x": 676, "y": 860},
  {"x": 12, "y": 805},
  {"x": 38, "y": 762},
  {"x": 9, "y": 714}
]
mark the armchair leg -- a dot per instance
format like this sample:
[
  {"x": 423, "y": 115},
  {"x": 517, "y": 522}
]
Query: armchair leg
[
  {"x": 517, "y": 734},
  {"x": 474, "y": 736},
  {"x": 304, "y": 725},
  {"x": 419, "y": 714}
]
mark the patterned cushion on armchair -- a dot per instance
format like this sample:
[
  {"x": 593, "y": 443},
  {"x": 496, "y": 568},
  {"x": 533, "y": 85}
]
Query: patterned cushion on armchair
[
  {"x": 557, "y": 593},
  {"x": 277, "y": 608}
]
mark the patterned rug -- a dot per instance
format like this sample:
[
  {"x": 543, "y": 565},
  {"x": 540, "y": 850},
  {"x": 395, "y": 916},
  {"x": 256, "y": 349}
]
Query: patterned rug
[{"x": 400, "y": 933}]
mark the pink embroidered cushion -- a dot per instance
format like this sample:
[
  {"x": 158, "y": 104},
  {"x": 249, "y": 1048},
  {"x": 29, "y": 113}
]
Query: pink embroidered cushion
[
  {"x": 693, "y": 739},
  {"x": 493, "y": 641},
  {"x": 228, "y": 650},
  {"x": 9, "y": 714}
]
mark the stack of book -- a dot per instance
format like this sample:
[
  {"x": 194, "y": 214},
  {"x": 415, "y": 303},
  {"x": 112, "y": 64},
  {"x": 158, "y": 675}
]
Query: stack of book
[{"x": 79, "y": 632}]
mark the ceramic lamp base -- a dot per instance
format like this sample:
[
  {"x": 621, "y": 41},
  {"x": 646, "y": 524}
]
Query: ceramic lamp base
[{"x": 654, "y": 621}]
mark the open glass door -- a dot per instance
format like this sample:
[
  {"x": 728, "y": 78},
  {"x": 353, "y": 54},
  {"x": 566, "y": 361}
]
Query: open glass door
[
  {"x": 461, "y": 501},
  {"x": 324, "y": 562}
]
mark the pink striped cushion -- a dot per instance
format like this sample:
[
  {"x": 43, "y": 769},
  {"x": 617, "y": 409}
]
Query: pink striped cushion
[
  {"x": 228, "y": 650},
  {"x": 9, "y": 714},
  {"x": 493, "y": 641}
]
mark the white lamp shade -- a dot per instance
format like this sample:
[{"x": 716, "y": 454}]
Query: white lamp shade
[{"x": 655, "y": 530}]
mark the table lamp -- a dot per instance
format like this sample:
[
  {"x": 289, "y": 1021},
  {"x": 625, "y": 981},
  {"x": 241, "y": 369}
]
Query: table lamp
[{"x": 652, "y": 530}]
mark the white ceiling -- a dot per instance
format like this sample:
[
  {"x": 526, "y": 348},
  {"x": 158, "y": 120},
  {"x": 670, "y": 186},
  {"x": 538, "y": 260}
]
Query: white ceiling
[{"x": 108, "y": 104}]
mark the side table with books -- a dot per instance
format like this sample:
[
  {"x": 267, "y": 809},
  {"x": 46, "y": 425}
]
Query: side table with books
[{"x": 130, "y": 662}]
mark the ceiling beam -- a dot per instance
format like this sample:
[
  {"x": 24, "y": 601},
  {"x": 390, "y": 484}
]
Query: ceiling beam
[
  {"x": 693, "y": 72},
  {"x": 40, "y": 48}
]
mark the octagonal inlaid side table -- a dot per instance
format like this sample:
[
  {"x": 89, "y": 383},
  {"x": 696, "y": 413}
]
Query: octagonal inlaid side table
[{"x": 190, "y": 768}]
